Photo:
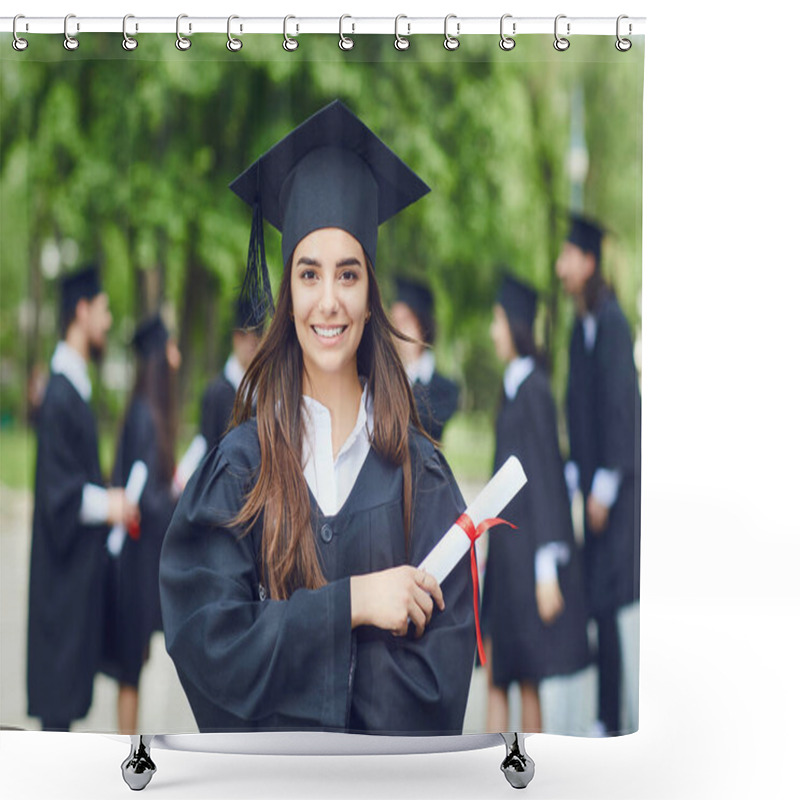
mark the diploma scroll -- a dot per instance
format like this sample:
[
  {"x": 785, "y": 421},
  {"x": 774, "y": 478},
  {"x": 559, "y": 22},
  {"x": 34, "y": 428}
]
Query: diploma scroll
[
  {"x": 133, "y": 492},
  {"x": 493, "y": 498},
  {"x": 189, "y": 463}
]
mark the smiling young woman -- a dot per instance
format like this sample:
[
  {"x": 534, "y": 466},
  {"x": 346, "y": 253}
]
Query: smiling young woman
[{"x": 289, "y": 593}]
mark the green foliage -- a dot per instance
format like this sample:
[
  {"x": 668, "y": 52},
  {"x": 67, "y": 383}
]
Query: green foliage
[{"x": 129, "y": 155}]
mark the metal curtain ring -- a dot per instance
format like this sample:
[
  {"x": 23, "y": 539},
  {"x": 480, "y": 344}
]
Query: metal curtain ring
[
  {"x": 506, "y": 42},
  {"x": 289, "y": 43},
  {"x": 451, "y": 42},
  {"x": 561, "y": 44},
  {"x": 623, "y": 45},
  {"x": 70, "y": 42},
  {"x": 181, "y": 42},
  {"x": 400, "y": 42},
  {"x": 128, "y": 43},
  {"x": 234, "y": 44},
  {"x": 18, "y": 43},
  {"x": 345, "y": 42}
]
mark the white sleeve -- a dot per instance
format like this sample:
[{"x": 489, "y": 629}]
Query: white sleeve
[
  {"x": 548, "y": 557},
  {"x": 94, "y": 505},
  {"x": 605, "y": 486},
  {"x": 572, "y": 476}
]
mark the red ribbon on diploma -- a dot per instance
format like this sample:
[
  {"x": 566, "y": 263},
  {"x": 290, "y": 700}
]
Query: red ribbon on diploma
[
  {"x": 134, "y": 531},
  {"x": 468, "y": 526}
]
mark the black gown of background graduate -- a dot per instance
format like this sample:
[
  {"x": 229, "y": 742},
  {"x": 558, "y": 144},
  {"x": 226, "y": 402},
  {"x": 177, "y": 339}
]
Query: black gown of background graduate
[
  {"x": 604, "y": 415},
  {"x": 248, "y": 662},
  {"x": 65, "y": 598},
  {"x": 523, "y": 647},
  {"x": 132, "y": 607},
  {"x": 436, "y": 401},
  {"x": 217, "y": 410}
]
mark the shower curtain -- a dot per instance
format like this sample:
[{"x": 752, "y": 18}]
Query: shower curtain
[{"x": 122, "y": 160}]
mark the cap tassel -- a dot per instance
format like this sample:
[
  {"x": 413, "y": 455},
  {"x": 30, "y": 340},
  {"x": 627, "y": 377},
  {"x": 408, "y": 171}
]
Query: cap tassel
[{"x": 256, "y": 291}]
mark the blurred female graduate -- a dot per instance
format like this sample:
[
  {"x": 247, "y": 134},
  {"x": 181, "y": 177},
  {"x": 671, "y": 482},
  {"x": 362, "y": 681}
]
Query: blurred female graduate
[
  {"x": 533, "y": 604},
  {"x": 289, "y": 595},
  {"x": 132, "y": 611}
]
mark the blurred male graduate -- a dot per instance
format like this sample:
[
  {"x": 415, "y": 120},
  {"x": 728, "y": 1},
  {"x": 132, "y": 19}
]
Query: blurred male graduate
[{"x": 71, "y": 514}]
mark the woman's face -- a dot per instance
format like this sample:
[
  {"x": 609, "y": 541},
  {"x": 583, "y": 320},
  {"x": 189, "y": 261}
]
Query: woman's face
[
  {"x": 330, "y": 294},
  {"x": 501, "y": 335},
  {"x": 574, "y": 268}
]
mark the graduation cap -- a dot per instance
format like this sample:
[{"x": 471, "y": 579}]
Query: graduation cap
[
  {"x": 331, "y": 171},
  {"x": 586, "y": 234},
  {"x": 81, "y": 284},
  {"x": 518, "y": 300},
  {"x": 417, "y": 296},
  {"x": 150, "y": 336}
]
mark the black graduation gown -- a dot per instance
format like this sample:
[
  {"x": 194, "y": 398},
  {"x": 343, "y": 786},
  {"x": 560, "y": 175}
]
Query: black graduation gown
[
  {"x": 217, "y": 410},
  {"x": 65, "y": 594},
  {"x": 436, "y": 403},
  {"x": 132, "y": 607},
  {"x": 251, "y": 664},
  {"x": 604, "y": 416},
  {"x": 523, "y": 647}
]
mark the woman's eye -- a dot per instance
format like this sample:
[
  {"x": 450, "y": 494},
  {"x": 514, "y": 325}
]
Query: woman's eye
[
  {"x": 349, "y": 276},
  {"x": 307, "y": 275}
]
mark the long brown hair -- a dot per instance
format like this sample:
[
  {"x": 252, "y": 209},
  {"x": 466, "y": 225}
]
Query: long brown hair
[
  {"x": 274, "y": 383},
  {"x": 155, "y": 384}
]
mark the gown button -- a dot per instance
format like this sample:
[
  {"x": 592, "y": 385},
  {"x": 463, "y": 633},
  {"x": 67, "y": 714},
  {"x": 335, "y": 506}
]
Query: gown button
[{"x": 326, "y": 534}]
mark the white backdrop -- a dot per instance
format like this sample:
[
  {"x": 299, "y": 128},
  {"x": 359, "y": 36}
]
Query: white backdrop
[{"x": 720, "y": 704}]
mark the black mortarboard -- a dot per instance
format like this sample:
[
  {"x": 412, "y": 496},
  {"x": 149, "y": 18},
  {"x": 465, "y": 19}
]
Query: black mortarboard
[
  {"x": 415, "y": 295},
  {"x": 75, "y": 286},
  {"x": 150, "y": 336},
  {"x": 518, "y": 300},
  {"x": 247, "y": 318},
  {"x": 586, "y": 234},
  {"x": 331, "y": 171}
]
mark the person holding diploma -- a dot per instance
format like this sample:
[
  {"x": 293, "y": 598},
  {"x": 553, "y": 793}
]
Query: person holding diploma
[
  {"x": 412, "y": 314},
  {"x": 218, "y": 399},
  {"x": 289, "y": 589},
  {"x": 132, "y": 607},
  {"x": 533, "y": 607},
  {"x": 72, "y": 510},
  {"x": 604, "y": 417}
]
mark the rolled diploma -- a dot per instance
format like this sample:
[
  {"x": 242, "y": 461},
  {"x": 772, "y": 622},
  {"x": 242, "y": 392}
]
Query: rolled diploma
[
  {"x": 133, "y": 492},
  {"x": 189, "y": 463},
  {"x": 493, "y": 498}
]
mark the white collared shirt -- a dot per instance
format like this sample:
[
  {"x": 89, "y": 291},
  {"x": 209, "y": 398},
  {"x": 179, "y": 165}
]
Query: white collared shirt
[
  {"x": 332, "y": 479},
  {"x": 69, "y": 362},
  {"x": 233, "y": 371},
  {"x": 515, "y": 374},
  {"x": 423, "y": 368}
]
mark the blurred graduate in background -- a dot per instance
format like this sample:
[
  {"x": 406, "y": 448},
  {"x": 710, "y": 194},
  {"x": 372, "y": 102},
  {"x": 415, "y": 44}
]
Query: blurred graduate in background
[
  {"x": 219, "y": 397},
  {"x": 412, "y": 314},
  {"x": 72, "y": 512},
  {"x": 132, "y": 607},
  {"x": 604, "y": 417},
  {"x": 533, "y": 605}
]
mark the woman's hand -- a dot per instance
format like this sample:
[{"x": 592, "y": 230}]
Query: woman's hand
[
  {"x": 596, "y": 514},
  {"x": 394, "y": 597},
  {"x": 549, "y": 600}
]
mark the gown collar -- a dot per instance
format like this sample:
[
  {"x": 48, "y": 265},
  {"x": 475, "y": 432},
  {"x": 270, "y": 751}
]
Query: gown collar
[{"x": 68, "y": 362}]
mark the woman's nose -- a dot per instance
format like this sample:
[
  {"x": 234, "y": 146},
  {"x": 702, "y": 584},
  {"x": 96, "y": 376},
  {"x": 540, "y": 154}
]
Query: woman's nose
[{"x": 329, "y": 301}]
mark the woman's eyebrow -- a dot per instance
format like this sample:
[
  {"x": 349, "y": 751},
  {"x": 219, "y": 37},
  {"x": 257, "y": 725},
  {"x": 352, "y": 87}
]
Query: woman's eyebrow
[
  {"x": 307, "y": 261},
  {"x": 352, "y": 261}
]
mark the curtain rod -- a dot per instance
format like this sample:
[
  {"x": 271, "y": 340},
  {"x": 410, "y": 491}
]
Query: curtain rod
[{"x": 346, "y": 25}]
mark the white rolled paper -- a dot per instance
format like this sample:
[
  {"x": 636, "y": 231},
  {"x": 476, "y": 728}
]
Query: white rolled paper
[
  {"x": 189, "y": 463},
  {"x": 493, "y": 498},
  {"x": 133, "y": 492}
]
